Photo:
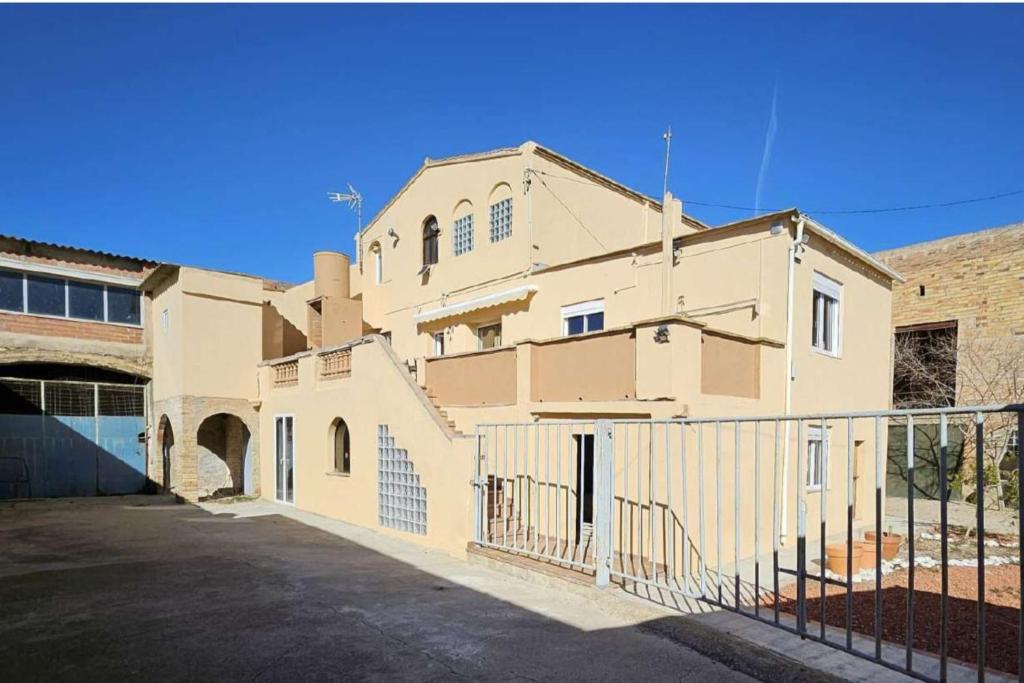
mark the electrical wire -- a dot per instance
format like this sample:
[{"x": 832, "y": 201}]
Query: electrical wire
[{"x": 834, "y": 212}]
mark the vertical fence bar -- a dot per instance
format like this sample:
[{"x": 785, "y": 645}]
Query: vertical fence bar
[
  {"x": 910, "y": 543},
  {"x": 878, "y": 537},
  {"x": 650, "y": 497},
  {"x": 581, "y": 482},
  {"x": 685, "y": 502},
  {"x": 1020, "y": 546},
  {"x": 558, "y": 491},
  {"x": 670, "y": 527},
  {"x": 736, "y": 513},
  {"x": 536, "y": 487},
  {"x": 640, "y": 553},
  {"x": 757, "y": 518},
  {"x": 477, "y": 506},
  {"x": 603, "y": 494},
  {"x": 823, "y": 455},
  {"x": 849, "y": 532},
  {"x": 504, "y": 488},
  {"x": 944, "y": 543},
  {"x": 801, "y": 533},
  {"x": 627, "y": 509},
  {"x": 979, "y": 466},
  {"x": 718, "y": 506},
  {"x": 700, "y": 491},
  {"x": 547, "y": 490},
  {"x": 778, "y": 490}
]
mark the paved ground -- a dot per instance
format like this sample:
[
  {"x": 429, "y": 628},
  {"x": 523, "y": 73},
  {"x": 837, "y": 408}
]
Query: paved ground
[{"x": 140, "y": 587}]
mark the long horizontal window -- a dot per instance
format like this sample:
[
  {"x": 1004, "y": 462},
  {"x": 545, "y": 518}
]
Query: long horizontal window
[{"x": 43, "y": 295}]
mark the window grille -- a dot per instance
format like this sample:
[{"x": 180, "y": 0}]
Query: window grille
[
  {"x": 462, "y": 235},
  {"x": 501, "y": 220}
]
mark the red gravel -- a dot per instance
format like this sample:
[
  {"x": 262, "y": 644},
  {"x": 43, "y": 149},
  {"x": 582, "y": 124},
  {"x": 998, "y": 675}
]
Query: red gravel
[{"x": 1002, "y": 611}]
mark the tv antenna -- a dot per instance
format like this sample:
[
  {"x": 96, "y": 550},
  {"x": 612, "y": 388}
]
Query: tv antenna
[
  {"x": 667, "y": 137},
  {"x": 355, "y": 202}
]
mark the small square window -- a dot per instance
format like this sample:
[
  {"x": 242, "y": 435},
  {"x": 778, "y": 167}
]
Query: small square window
[{"x": 489, "y": 336}]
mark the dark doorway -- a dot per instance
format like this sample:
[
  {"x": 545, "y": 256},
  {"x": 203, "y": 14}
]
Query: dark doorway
[{"x": 584, "y": 485}]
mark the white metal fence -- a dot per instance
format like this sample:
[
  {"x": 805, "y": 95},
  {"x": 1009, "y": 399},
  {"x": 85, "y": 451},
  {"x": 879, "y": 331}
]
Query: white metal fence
[{"x": 759, "y": 515}]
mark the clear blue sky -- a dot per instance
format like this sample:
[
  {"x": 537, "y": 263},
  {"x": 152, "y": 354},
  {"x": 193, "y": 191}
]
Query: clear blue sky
[{"x": 209, "y": 135}]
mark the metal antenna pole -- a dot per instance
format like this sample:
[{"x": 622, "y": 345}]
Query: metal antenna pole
[
  {"x": 667, "y": 137},
  {"x": 354, "y": 201}
]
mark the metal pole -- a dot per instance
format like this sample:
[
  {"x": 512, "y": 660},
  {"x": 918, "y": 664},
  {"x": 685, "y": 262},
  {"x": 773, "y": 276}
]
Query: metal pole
[
  {"x": 910, "y": 542},
  {"x": 603, "y": 504},
  {"x": 980, "y": 508},
  {"x": 944, "y": 541}
]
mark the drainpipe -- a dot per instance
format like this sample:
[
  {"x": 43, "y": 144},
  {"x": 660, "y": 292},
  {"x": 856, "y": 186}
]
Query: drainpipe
[{"x": 795, "y": 248}]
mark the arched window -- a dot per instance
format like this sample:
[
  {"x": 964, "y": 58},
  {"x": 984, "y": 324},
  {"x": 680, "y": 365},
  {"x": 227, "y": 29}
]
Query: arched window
[
  {"x": 342, "y": 447},
  {"x": 430, "y": 232}
]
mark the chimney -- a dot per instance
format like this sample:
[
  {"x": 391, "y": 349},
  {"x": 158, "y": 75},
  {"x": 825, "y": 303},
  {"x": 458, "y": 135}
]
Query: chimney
[{"x": 330, "y": 274}]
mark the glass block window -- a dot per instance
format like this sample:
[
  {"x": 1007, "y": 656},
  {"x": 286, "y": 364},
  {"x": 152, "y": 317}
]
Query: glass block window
[
  {"x": 462, "y": 235},
  {"x": 401, "y": 501},
  {"x": 501, "y": 220}
]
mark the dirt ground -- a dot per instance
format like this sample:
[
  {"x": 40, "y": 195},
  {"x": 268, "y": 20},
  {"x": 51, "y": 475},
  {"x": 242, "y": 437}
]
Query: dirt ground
[{"x": 1002, "y": 611}]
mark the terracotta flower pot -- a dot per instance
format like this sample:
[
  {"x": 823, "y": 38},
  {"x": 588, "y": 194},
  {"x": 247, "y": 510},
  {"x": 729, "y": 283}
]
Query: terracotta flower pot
[
  {"x": 867, "y": 558},
  {"x": 890, "y": 543},
  {"x": 835, "y": 558}
]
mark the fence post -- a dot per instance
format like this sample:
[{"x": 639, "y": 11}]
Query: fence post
[
  {"x": 479, "y": 490},
  {"x": 603, "y": 462}
]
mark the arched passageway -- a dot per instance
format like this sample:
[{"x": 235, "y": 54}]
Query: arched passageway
[
  {"x": 165, "y": 440},
  {"x": 224, "y": 462}
]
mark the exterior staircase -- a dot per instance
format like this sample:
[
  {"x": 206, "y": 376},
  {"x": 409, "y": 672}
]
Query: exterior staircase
[{"x": 444, "y": 414}]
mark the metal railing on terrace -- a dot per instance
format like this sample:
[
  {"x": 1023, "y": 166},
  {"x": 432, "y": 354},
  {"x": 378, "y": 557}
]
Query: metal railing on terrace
[{"x": 781, "y": 519}]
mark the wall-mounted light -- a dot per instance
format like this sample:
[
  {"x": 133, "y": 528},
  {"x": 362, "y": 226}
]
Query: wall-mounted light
[{"x": 776, "y": 228}]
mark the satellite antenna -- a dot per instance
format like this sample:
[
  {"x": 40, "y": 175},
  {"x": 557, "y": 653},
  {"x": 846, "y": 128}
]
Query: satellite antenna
[{"x": 354, "y": 201}]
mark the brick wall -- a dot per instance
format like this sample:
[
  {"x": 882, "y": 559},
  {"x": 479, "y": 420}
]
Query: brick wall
[
  {"x": 20, "y": 323},
  {"x": 977, "y": 279}
]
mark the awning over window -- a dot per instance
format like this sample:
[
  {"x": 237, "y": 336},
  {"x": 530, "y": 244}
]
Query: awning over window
[{"x": 496, "y": 299}]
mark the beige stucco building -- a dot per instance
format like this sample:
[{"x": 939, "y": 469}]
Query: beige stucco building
[{"x": 511, "y": 286}]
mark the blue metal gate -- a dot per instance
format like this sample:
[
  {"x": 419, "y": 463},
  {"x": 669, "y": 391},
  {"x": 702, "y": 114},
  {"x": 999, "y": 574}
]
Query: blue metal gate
[{"x": 61, "y": 438}]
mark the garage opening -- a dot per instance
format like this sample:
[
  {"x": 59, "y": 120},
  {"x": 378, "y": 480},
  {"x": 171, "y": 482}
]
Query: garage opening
[
  {"x": 224, "y": 457},
  {"x": 70, "y": 431}
]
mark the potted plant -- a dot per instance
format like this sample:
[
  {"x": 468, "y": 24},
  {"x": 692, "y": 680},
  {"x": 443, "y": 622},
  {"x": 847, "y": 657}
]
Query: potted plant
[
  {"x": 890, "y": 543},
  {"x": 836, "y": 555}
]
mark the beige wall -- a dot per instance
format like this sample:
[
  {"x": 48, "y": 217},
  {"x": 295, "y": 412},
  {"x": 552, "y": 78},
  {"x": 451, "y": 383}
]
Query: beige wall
[
  {"x": 730, "y": 367},
  {"x": 473, "y": 379},
  {"x": 593, "y": 367},
  {"x": 376, "y": 393}
]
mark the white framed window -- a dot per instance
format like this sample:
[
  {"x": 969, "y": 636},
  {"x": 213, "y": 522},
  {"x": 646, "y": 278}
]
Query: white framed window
[
  {"x": 587, "y": 316},
  {"x": 462, "y": 235},
  {"x": 501, "y": 220},
  {"x": 439, "y": 343},
  {"x": 489, "y": 336},
  {"x": 826, "y": 315},
  {"x": 817, "y": 458},
  {"x": 58, "y": 297}
]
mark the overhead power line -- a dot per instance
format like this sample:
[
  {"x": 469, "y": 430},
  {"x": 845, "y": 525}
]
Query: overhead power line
[{"x": 889, "y": 209}]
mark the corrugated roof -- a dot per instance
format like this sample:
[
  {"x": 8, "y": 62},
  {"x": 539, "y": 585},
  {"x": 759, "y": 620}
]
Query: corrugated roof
[{"x": 81, "y": 250}]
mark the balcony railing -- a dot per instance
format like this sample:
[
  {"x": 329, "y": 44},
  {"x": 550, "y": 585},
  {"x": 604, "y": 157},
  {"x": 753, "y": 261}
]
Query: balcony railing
[
  {"x": 336, "y": 364},
  {"x": 286, "y": 374}
]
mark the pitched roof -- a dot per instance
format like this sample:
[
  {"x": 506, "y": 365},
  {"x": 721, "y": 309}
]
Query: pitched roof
[{"x": 525, "y": 148}]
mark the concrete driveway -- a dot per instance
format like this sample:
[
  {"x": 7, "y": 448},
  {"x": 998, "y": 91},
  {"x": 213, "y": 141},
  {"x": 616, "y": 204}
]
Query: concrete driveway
[{"x": 140, "y": 587}]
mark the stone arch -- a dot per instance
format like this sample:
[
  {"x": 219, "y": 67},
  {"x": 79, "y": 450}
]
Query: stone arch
[
  {"x": 224, "y": 459},
  {"x": 45, "y": 356}
]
